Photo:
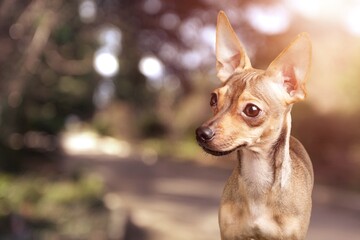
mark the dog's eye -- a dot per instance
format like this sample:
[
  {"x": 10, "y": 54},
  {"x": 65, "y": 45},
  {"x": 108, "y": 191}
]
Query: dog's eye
[
  {"x": 213, "y": 100},
  {"x": 251, "y": 110}
]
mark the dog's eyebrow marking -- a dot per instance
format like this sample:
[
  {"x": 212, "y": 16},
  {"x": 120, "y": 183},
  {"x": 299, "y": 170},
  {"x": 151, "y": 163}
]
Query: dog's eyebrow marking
[
  {"x": 239, "y": 81},
  {"x": 251, "y": 75}
]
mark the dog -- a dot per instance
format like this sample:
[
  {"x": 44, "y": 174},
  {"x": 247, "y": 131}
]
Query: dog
[{"x": 268, "y": 195}]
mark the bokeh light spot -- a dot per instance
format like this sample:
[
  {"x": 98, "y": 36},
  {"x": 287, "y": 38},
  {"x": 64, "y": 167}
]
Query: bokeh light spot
[
  {"x": 87, "y": 11},
  {"x": 106, "y": 64},
  {"x": 169, "y": 21},
  {"x": 151, "y": 67},
  {"x": 152, "y": 6}
]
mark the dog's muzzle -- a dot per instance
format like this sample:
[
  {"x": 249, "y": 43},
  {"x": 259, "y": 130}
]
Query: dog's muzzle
[{"x": 203, "y": 136}]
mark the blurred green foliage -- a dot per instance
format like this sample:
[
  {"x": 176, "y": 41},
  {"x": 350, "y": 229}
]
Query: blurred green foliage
[{"x": 60, "y": 207}]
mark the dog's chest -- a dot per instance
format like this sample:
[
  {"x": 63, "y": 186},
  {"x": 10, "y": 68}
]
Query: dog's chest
[
  {"x": 254, "y": 220},
  {"x": 256, "y": 173},
  {"x": 261, "y": 219}
]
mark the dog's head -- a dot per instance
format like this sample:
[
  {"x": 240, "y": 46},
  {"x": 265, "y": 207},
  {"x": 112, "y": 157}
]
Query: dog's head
[{"x": 251, "y": 105}]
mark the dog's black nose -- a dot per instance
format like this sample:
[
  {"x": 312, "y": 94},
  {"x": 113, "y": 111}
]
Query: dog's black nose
[{"x": 204, "y": 133}]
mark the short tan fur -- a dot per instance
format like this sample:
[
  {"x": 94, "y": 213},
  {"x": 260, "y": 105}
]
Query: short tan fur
[{"x": 268, "y": 195}]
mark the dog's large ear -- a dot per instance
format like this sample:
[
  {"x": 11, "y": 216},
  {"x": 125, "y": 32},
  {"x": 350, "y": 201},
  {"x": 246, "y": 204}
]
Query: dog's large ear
[
  {"x": 292, "y": 67},
  {"x": 230, "y": 54}
]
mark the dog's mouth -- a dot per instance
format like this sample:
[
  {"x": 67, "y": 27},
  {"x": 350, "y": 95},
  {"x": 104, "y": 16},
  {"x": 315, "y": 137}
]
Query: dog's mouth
[{"x": 218, "y": 153}]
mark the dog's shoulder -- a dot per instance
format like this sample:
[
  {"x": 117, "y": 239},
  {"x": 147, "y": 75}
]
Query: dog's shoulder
[{"x": 300, "y": 156}]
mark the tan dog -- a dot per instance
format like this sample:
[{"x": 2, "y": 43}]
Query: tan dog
[{"x": 268, "y": 195}]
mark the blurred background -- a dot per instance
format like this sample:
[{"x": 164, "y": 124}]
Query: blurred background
[{"x": 99, "y": 100}]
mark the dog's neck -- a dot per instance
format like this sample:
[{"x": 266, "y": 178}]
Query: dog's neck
[{"x": 263, "y": 167}]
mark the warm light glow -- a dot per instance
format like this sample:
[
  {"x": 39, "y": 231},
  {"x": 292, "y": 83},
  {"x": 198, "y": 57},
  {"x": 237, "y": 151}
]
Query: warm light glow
[
  {"x": 106, "y": 63},
  {"x": 80, "y": 142},
  {"x": 89, "y": 142},
  {"x": 307, "y": 8},
  {"x": 273, "y": 19},
  {"x": 325, "y": 10},
  {"x": 339, "y": 12},
  {"x": 352, "y": 20}
]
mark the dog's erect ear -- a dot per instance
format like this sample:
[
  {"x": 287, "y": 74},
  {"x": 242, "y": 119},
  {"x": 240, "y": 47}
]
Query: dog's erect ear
[
  {"x": 230, "y": 54},
  {"x": 293, "y": 64}
]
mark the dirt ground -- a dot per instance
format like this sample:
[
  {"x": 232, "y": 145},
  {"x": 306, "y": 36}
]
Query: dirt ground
[{"x": 179, "y": 200}]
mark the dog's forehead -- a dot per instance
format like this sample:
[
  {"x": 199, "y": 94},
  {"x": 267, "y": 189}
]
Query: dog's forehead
[
  {"x": 251, "y": 84},
  {"x": 239, "y": 81},
  {"x": 245, "y": 76}
]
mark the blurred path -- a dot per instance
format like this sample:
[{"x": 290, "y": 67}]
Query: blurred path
[{"x": 179, "y": 201}]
